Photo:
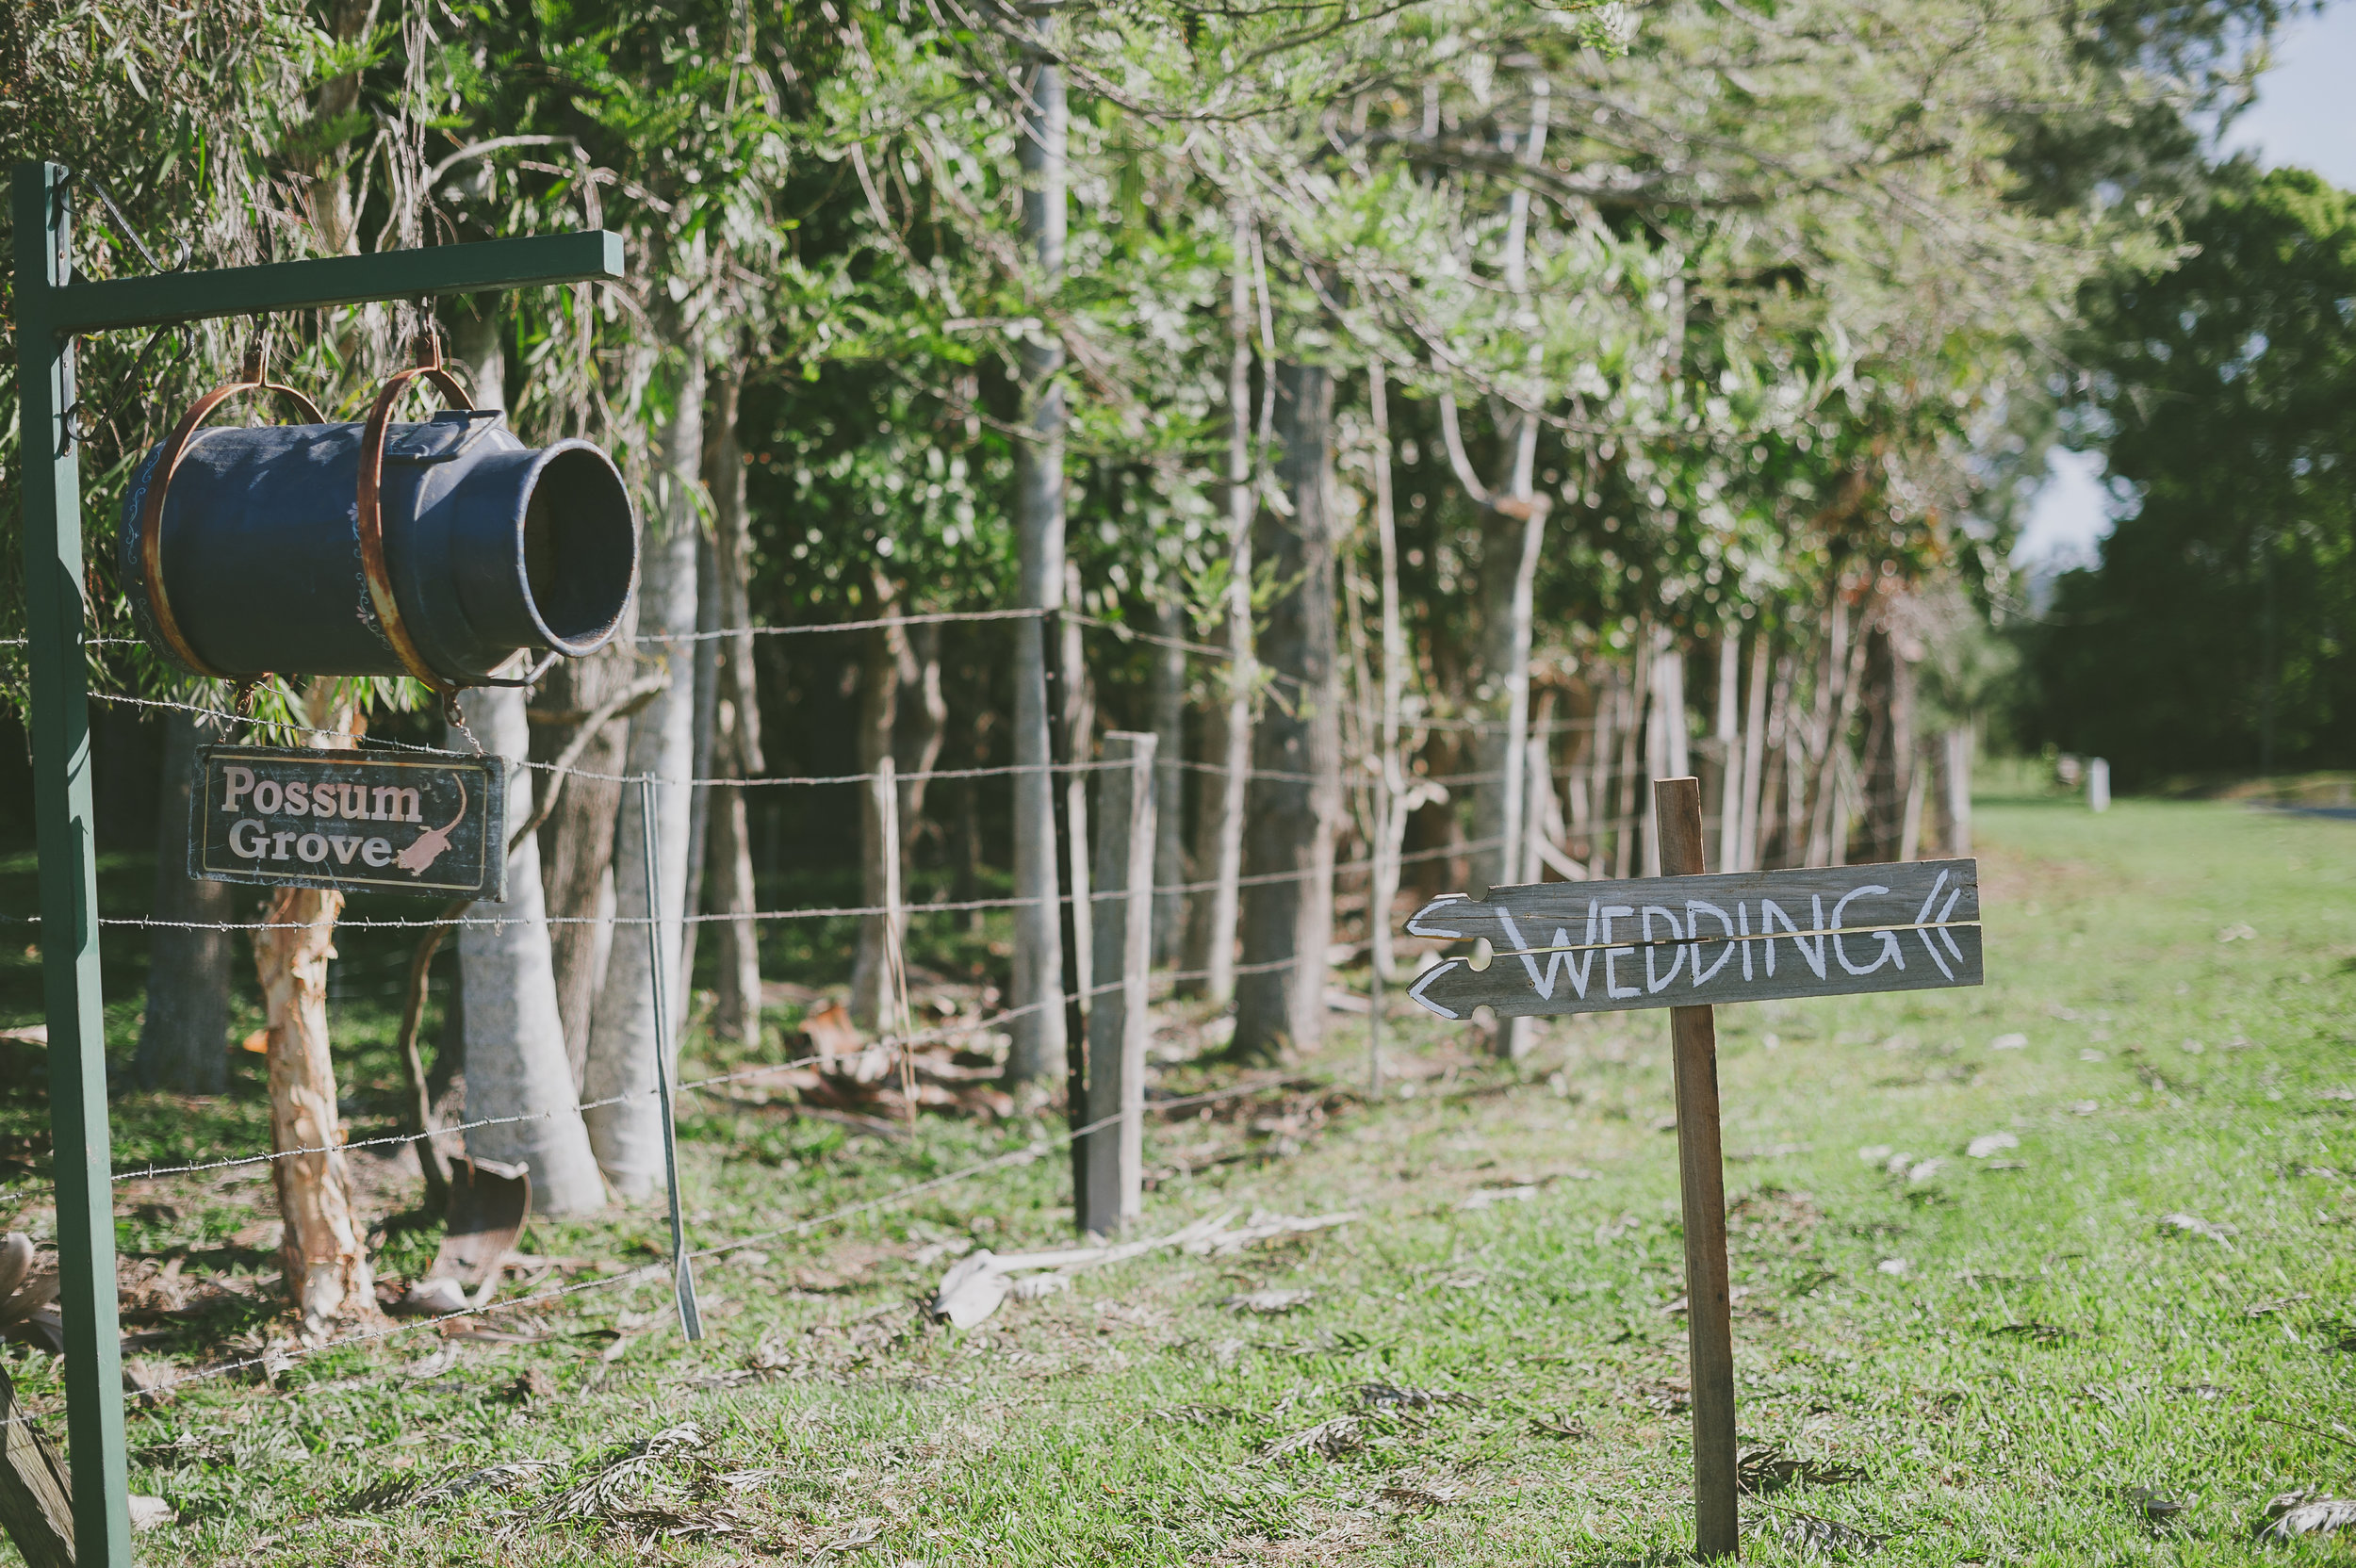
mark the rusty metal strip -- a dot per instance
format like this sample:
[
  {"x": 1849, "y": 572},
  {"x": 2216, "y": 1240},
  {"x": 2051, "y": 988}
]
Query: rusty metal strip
[
  {"x": 370, "y": 517},
  {"x": 251, "y": 378}
]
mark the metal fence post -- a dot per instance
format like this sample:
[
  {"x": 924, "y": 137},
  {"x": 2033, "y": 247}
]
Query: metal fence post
[
  {"x": 666, "y": 1066},
  {"x": 1119, "y": 1025},
  {"x": 69, "y": 872}
]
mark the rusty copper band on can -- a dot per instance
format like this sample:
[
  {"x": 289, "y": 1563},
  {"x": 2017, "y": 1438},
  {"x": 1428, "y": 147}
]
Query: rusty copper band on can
[
  {"x": 368, "y": 517},
  {"x": 152, "y": 508}
]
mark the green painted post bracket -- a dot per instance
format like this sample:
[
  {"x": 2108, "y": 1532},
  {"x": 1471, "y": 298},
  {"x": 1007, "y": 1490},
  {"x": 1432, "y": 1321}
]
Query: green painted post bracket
[{"x": 51, "y": 308}]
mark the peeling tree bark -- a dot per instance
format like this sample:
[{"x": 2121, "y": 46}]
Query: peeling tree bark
[{"x": 324, "y": 1261}]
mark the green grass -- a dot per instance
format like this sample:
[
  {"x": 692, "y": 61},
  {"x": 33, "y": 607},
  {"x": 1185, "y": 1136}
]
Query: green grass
[{"x": 2049, "y": 1347}]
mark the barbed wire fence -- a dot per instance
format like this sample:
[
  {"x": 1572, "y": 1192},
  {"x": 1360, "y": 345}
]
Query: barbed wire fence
[{"x": 895, "y": 1046}]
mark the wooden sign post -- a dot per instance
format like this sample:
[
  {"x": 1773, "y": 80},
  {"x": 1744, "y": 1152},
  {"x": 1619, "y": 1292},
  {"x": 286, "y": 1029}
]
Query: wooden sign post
[{"x": 1685, "y": 940}]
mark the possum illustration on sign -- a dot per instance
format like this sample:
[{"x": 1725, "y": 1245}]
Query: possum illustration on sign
[{"x": 431, "y": 843}]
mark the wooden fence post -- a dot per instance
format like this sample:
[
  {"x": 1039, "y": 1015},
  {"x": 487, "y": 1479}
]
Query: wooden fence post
[
  {"x": 36, "y": 1493},
  {"x": 1708, "y": 1311},
  {"x": 1112, "y": 1196}
]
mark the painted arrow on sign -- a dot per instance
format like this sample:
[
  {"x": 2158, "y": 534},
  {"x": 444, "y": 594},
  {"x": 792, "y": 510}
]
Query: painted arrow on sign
[{"x": 1679, "y": 941}]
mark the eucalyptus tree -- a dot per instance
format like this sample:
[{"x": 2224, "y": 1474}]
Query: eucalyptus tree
[
  {"x": 2211, "y": 632},
  {"x": 667, "y": 123}
]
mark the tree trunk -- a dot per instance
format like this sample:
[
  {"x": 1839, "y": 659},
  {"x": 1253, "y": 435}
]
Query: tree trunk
[
  {"x": 1509, "y": 536},
  {"x": 878, "y": 708},
  {"x": 1727, "y": 733},
  {"x": 921, "y": 730},
  {"x": 517, "y": 1064},
  {"x": 1227, "y": 729},
  {"x": 1039, "y": 1050},
  {"x": 512, "y": 1036},
  {"x": 576, "y": 841},
  {"x": 1390, "y": 815},
  {"x": 324, "y": 1263},
  {"x": 1602, "y": 835},
  {"x": 628, "y": 1136},
  {"x": 1666, "y": 743},
  {"x": 1628, "y": 821},
  {"x": 736, "y": 1012},
  {"x": 706, "y": 731},
  {"x": 1288, "y": 920},
  {"x": 1079, "y": 746},
  {"x": 1956, "y": 778},
  {"x": 1169, "y": 703},
  {"x": 184, "y": 1039},
  {"x": 1827, "y": 844},
  {"x": 1754, "y": 757}
]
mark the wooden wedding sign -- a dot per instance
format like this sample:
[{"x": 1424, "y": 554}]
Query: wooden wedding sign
[{"x": 1685, "y": 941}]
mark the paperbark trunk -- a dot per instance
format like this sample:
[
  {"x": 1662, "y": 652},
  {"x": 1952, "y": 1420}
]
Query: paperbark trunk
[
  {"x": 515, "y": 1035},
  {"x": 1037, "y": 1052},
  {"x": 322, "y": 1258},
  {"x": 628, "y": 1136},
  {"x": 1227, "y": 728},
  {"x": 736, "y": 1012},
  {"x": 184, "y": 1041},
  {"x": 1288, "y": 919},
  {"x": 576, "y": 841}
]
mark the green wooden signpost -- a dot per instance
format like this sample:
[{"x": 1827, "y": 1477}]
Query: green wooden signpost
[{"x": 51, "y": 309}]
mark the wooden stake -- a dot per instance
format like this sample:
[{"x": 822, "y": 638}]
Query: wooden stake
[
  {"x": 887, "y": 787},
  {"x": 1113, "y": 1194},
  {"x": 1709, "y": 1314},
  {"x": 36, "y": 1493}
]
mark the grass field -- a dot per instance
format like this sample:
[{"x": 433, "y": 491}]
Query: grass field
[{"x": 2018, "y": 1357}]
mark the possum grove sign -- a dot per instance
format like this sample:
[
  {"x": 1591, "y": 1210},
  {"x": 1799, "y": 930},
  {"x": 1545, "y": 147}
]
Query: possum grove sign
[{"x": 431, "y": 823}]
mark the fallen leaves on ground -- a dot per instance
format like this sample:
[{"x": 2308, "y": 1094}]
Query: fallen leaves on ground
[
  {"x": 1420, "y": 1498},
  {"x": 2193, "y": 1225},
  {"x": 1269, "y": 1303},
  {"x": 1390, "y": 1397},
  {"x": 2035, "y": 1333},
  {"x": 606, "y": 1493},
  {"x": 2292, "y": 1514},
  {"x": 1816, "y": 1537},
  {"x": 458, "y": 1483},
  {"x": 2158, "y": 1508},
  {"x": 1765, "y": 1469},
  {"x": 1666, "y": 1397},
  {"x": 1344, "y": 1434}
]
